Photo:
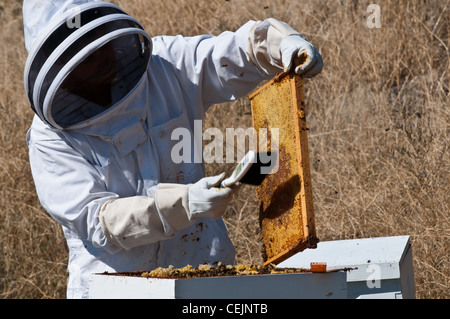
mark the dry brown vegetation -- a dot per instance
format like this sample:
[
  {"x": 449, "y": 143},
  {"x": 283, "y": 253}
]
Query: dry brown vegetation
[{"x": 379, "y": 133}]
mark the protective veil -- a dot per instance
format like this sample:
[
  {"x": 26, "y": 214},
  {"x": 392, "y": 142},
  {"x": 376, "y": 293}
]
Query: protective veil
[
  {"x": 85, "y": 61},
  {"x": 100, "y": 143}
]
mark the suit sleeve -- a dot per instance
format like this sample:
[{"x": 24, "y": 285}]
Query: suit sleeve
[
  {"x": 228, "y": 66},
  {"x": 70, "y": 189},
  {"x": 73, "y": 192}
]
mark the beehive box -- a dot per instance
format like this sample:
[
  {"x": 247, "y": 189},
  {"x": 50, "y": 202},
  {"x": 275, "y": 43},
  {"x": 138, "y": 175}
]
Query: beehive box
[
  {"x": 222, "y": 282},
  {"x": 285, "y": 196},
  {"x": 382, "y": 266}
]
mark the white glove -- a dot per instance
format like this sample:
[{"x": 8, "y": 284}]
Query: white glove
[
  {"x": 140, "y": 220},
  {"x": 206, "y": 199},
  {"x": 299, "y": 53}
]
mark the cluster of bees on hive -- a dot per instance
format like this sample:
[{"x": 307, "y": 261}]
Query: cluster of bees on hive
[{"x": 217, "y": 270}]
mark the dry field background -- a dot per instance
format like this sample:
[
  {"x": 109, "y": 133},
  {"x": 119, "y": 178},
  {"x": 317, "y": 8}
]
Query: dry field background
[{"x": 379, "y": 133}]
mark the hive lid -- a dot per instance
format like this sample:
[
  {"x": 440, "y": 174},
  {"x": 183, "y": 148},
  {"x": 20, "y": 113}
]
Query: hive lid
[{"x": 285, "y": 196}]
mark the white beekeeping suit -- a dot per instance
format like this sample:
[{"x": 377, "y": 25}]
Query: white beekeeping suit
[{"x": 107, "y": 98}]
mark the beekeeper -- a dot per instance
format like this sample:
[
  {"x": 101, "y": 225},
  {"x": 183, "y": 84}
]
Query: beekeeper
[{"x": 107, "y": 97}]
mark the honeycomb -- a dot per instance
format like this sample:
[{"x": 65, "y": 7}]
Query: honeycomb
[
  {"x": 203, "y": 271},
  {"x": 285, "y": 197}
]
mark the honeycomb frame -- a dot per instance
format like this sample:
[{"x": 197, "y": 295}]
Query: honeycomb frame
[{"x": 286, "y": 211}]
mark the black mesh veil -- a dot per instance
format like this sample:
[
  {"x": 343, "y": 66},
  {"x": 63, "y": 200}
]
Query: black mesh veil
[
  {"x": 101, "y": 80},
  {"x": 77, "y": 74}
]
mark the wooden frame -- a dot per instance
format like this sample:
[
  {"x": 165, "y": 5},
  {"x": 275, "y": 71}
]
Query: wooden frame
[{"x": 285, "y": 197}]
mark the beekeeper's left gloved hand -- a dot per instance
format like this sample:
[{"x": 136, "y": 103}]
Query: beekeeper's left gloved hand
[
  {"x": 298, "y": 54},
  {"x": 168, "y": 208},
  {"x": 207, "y": 199}
]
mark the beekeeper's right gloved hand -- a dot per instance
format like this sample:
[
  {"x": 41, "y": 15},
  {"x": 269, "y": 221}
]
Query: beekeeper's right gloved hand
[
  {"x": 168, "y": 208},
  {"x": 301, "y": 56},
  {"x": 274, "y": 46}
]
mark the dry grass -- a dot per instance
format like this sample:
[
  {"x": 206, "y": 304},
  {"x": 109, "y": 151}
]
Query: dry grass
[{"x": 379, "y": 133}]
